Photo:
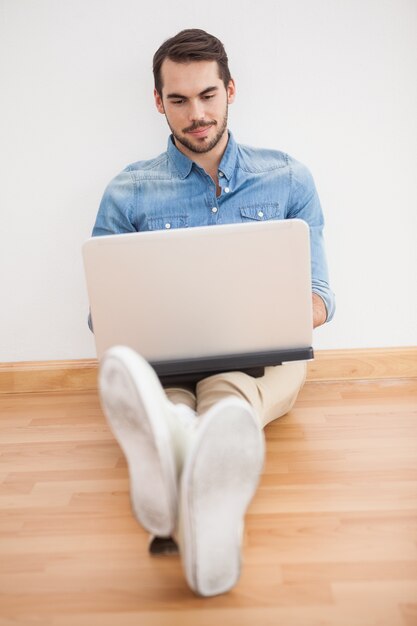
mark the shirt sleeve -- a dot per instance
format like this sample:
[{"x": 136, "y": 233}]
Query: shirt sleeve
[
  {"x": 304, "y": 204},
  {"x": 116, "y": 213}
]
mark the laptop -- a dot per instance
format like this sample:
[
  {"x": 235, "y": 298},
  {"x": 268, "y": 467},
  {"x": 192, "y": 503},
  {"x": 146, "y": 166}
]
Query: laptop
[{"x": 198, "y": 301}]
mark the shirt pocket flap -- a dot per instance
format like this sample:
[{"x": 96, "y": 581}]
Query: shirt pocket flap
[
  {"x": 165, "y": 222},
  {"x": 261, "y": 212}
]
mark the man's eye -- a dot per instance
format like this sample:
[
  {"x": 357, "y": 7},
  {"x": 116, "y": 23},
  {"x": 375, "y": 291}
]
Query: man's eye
[
  {"x": 177, "y": 101},
  {"x": 209, "y": 97}
]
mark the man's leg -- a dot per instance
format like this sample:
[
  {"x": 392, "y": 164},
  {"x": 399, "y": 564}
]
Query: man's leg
[
  {"x": 271, "y": 395},
  {"x": 181, "y": 395},
  {"x": 194, "y": 476},
  {"x": 151, "y": 433},
  {"x": 221, "y": 470}
]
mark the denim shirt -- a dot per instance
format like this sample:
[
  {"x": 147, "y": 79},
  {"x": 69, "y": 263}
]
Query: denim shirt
[{"x": 171, "y": 191}]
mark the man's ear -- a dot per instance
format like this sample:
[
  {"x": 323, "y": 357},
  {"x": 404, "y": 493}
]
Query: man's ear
[
  {"x": 158, "y": 101},
  {"x": 231, "y": 91}
]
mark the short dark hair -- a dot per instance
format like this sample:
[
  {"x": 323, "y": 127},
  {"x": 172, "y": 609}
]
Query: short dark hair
[{"x": 189, "y": 45}]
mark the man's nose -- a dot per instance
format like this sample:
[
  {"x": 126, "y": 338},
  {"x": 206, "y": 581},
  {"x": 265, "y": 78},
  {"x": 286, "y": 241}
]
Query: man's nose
[{"x": 196, "y": 111}]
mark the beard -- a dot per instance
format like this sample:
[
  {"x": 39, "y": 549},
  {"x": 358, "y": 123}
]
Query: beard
[{"x": 203, "y": 147}]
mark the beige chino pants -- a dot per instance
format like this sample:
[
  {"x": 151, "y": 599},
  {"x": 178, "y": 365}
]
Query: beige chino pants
[{"x": 271, "y": 395}]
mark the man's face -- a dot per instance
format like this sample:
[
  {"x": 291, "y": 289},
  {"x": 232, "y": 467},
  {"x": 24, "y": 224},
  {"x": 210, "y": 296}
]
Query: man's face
[{"x": 195, "y": 102}]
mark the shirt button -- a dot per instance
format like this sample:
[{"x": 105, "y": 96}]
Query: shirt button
[
  {"x": 167, "y": 225},
  {"x": 221, "y": 174},
  {"x": 214, "y": 209},
  {"x": 260, "y": 213},
  {"x": 226, "y": 189}
]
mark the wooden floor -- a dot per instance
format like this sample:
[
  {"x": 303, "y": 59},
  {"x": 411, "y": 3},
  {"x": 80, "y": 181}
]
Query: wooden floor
[{"x": 330, "y": 538}]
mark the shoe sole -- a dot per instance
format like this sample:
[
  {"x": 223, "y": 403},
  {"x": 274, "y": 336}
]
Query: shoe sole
[
  {"x": 219, "y": 479},
  {"x": 137, "y": 411}
]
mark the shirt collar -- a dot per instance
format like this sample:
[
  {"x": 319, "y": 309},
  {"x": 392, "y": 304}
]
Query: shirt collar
[{"x": 184, "y": 165}]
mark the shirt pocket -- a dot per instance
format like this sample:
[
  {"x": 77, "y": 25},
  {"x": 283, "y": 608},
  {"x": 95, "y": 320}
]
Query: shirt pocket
[
  {"x": 167, "y": 222},
  {"x": 260, "y": 212}
]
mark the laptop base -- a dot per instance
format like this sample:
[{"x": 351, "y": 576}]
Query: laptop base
[{"x": 188, "y": 371}]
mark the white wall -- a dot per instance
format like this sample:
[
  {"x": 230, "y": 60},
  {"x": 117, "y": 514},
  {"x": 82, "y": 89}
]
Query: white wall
[{"x": 332, "y": 82}]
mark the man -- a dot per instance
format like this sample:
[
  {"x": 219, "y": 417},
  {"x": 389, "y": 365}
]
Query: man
[{"x": 195, "y": 455}]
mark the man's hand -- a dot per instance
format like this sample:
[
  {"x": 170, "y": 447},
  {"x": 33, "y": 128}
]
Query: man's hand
[{"x": 319, "y": 311}]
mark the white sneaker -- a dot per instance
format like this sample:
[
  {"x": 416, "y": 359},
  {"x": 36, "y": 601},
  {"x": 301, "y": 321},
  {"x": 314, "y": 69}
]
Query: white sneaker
[
  {"x": 219, "y": 479},
  {"x": 147, "y": 428}
]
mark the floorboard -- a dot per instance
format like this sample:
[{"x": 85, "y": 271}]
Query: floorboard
[{"x": 330, "y": 537}]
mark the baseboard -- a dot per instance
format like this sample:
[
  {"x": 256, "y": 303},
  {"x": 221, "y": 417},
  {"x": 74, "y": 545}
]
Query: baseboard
[
  {"x": 328, "y": 365},
  {"x": 357, "y": 364},
  {"x": 47, "y": 376}
]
